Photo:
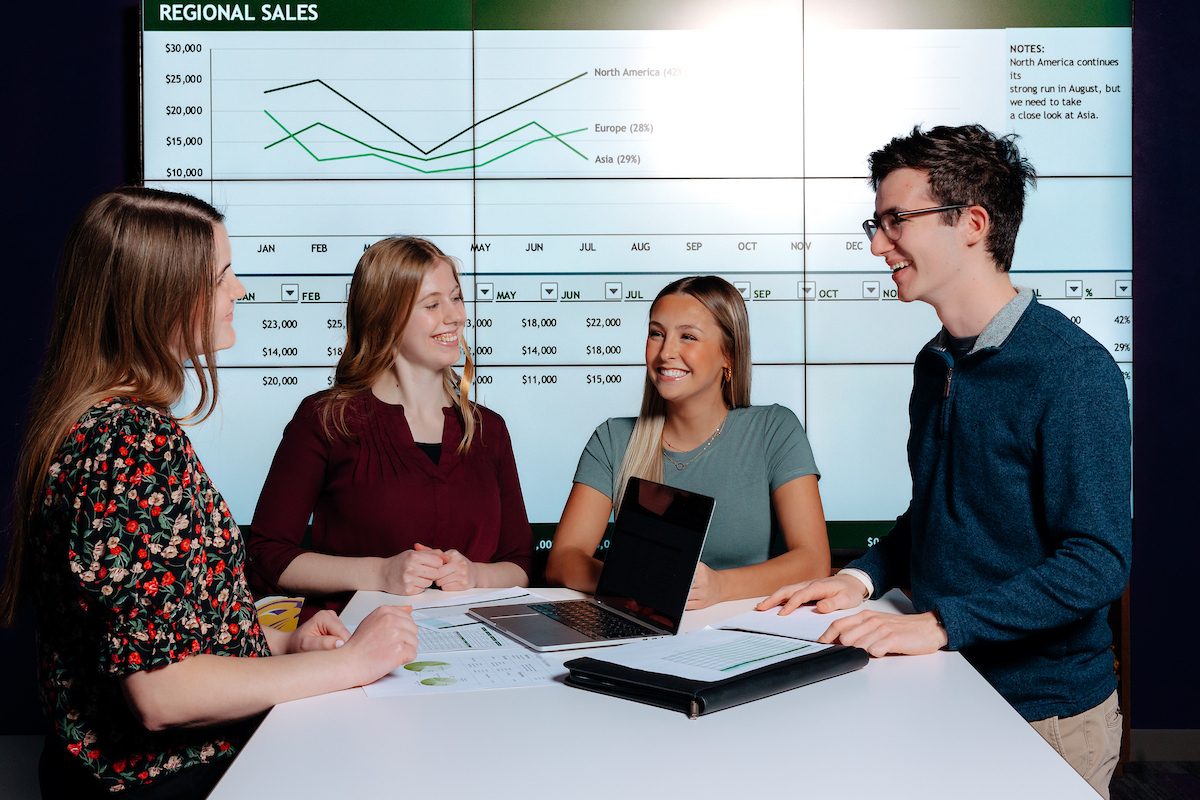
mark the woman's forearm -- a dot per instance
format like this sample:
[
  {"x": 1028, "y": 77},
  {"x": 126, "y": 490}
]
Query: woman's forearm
[
  {"x": 573, "y": 568},
  {"x": 500, "y": 574},
  {"x": 580, "y": 531},
  {"x": 317, "y": 573},
  {"x": 800, "y": 564},
  {"x": 208, "y": 689},
  {"x": 276, "y": 640}
]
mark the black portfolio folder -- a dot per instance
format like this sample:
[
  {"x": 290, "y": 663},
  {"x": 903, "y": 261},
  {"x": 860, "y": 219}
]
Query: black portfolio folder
[{"x": 695, "y": 698}]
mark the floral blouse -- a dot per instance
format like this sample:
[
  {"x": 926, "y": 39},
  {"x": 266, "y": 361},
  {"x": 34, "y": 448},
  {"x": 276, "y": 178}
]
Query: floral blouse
[{"x": 139, "y": 565}]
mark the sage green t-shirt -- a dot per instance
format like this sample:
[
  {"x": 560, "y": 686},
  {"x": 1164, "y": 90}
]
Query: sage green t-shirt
[{"x": 760, "y": 449}]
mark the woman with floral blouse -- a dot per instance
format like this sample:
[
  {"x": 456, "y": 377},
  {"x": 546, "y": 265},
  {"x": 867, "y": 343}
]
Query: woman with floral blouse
[{"x": 151, "y": 661}]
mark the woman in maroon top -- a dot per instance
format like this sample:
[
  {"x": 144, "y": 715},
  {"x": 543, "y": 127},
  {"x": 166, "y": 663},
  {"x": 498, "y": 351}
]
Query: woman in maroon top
[{"x": 408, "y": 484}]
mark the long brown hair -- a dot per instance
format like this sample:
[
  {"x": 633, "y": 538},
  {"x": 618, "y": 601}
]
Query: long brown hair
[
  {"x": 383, "y": 293},
  {"x": 643, "y": 455},
  {"x": 135, "y": 283}
]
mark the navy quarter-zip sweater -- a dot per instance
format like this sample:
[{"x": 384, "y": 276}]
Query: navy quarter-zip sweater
[{"x": 1018, "y": 534}]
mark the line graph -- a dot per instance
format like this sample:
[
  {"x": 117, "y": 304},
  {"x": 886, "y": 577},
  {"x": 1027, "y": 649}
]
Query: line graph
[
  {"x": 379, "y": 152},
  {"x": 392, "y": 130},
  {"x": 394, "y": 156},
  {"x": 503, "y": 106}
]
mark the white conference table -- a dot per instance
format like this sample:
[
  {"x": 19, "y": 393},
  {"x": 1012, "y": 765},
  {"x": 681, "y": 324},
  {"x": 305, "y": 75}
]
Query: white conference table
[{"x": 902, "y": 727}]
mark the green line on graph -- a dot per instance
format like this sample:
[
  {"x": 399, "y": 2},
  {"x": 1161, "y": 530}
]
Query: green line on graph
[
  {"x": 404, "y": 138},
  {"x": 379, "y": 152}
]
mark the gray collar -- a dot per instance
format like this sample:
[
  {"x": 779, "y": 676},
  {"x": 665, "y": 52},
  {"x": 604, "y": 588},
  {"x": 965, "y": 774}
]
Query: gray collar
[{"x": 996, "y": 331}]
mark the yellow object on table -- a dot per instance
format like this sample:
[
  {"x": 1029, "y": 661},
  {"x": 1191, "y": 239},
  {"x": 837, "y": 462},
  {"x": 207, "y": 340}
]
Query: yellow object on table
[{"x": 280, "y": 613}]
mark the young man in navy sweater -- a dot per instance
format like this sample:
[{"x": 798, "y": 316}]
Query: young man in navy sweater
[{"x": 1017, "y": 538}]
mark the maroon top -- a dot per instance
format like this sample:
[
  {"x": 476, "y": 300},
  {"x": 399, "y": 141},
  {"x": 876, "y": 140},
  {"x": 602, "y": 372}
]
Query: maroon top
[{"x": 379, "y": 494}]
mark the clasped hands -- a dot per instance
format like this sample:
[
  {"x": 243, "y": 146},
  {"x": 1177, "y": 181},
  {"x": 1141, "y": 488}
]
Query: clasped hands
[
  {"x": 414, "y": 571},
  {"x": 877, "y": 632}
]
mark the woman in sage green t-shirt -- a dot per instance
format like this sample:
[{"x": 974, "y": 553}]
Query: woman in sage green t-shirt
[{"x": 698, "y": 431}]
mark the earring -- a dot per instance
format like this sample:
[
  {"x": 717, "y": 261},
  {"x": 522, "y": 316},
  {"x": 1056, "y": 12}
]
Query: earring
[{"x": 727, "y": 374}]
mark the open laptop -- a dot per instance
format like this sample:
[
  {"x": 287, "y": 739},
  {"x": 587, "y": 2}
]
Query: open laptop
[{"x": 644, "y": 584}]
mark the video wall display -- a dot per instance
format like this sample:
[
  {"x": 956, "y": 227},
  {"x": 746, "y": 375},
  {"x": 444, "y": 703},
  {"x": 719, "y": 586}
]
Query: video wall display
[{"x": 576, "y": 157}]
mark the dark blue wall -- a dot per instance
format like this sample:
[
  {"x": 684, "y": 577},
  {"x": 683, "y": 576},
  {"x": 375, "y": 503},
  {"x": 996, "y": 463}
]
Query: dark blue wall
[
  {"x": 1166, "y": 467},
  {"x": 70, "y": 132}
]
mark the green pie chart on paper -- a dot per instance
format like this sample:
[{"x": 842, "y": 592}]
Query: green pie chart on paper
[
  {"x": 422, "y": 666},
  {"x": 439, "y": 681}
]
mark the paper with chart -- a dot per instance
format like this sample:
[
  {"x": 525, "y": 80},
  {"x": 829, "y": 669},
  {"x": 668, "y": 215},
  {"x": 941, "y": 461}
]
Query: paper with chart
[
  {"x": 708, "y": 654},
  {"x": 803, "y": 623},
  {"x": 468, "y": 636},
  {"x": 465, "y": 672},
  {"x": 446, "y": 627},
  {"x": 456, "y": 653}
]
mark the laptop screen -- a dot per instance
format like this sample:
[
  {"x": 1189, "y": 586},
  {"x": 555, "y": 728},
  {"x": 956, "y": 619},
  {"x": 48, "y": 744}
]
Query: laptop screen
[{"x": 653, "y": 552}]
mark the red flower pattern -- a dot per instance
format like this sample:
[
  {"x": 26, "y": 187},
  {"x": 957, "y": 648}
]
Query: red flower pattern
[{"x": 115, "y": 573}]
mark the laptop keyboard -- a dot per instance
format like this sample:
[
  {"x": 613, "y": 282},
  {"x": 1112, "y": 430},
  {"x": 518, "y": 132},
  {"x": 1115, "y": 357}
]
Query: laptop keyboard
[{"x": 590, "y": 619}]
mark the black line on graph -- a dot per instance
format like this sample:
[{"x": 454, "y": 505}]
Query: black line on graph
[{"x": 404, "y": 138}]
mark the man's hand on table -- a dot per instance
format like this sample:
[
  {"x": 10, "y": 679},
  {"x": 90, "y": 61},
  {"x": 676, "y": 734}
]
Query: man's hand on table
[
  {"x": 832, "y": 594},
  {"x": 877, "y": 632},
  {"x": 880, "y": 633}
]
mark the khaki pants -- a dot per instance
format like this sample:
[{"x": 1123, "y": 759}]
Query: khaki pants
[{"x": 1090, "y": 742}]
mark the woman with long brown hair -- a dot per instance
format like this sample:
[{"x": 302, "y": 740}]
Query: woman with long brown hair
[
  {"x": 151, "y": 660},
  {"x": 408, "y": 483},
  {"x": 698, "y": 431}
]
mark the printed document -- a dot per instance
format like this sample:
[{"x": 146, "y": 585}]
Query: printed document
[
  {"x": 708, "y": 654},
  {"x": 468, "y": 635},
  {"x": 463, "y": 672},
  {"x": 805, "y": 622}
]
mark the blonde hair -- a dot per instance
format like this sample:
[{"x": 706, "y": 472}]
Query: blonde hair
[
  {"x": 643, "y": 455},
  {"x": 136, "y": 280},
  {"x": 383, "y": 293}
]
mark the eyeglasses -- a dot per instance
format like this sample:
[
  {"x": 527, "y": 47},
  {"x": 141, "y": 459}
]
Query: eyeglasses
[{"x": 889, "y": 223}]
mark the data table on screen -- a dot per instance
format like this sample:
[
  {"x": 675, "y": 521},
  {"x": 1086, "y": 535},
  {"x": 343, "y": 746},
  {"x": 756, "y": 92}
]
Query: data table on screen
[{"x": 573, "y": 173}]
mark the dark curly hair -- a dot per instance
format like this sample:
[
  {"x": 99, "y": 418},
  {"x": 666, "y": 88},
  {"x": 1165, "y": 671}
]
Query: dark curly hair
[{"x": 968, "y": 165}]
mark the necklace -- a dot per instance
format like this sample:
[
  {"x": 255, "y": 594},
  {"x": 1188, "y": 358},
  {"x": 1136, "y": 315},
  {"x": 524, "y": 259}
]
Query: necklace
[{"x": 711, "y": 439}]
